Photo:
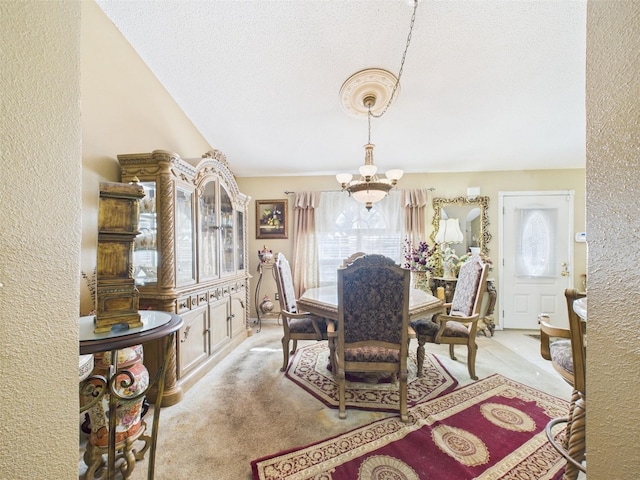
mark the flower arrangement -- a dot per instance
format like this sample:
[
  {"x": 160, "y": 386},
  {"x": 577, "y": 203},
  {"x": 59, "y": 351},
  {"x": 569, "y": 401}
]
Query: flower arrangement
[
  {"x": 420, "y": 259},
  {"x": 466, "y": 257}
]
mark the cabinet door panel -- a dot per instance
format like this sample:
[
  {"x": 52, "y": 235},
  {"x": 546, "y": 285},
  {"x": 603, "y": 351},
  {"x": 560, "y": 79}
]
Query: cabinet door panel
[
  {"x": 208, "y": 219},
  {"x": 238, "y": 312},
  {"x": 219, "y": 312},
  {"x": 192, "y": 343},
  {"x": 185, "y": 238},
  {"x": 226, "y": 230}
]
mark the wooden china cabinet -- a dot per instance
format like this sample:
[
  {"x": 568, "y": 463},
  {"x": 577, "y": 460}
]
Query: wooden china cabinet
[{"x": 190, "y": 258}]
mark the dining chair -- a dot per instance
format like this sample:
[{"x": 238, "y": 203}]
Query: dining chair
[
  {"x": 458, "y": 325},
  {"x": 566, "y": 349},
  {"x": 373, "y": 324},
  {"x": 349, "y": 260},
  {"x": 297, "y": 325}
]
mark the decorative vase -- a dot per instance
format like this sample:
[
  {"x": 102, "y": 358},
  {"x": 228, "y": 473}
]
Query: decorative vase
[
  {"x": 449, "y": 271},
  {"x": 420, "y": 280},
  {"x": 128, "y": 412},
  {"x": 267, "y": 305},
  {"x": 265, "y": 255}
]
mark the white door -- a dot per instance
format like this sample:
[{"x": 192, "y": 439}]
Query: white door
[{"x": 536, "y": 255}]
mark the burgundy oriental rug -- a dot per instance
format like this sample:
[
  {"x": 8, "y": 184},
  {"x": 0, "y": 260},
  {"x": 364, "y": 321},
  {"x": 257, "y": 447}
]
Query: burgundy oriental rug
[
  {"x": 491, "y": 429},
  {"x": 308, "y": 368}
]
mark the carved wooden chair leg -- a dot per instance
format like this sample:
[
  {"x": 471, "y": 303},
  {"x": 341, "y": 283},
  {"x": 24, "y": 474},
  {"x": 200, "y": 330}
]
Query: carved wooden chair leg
[
  {"x": 451, "y": 353},
  {"x": 404, "y": 375},
  {"x": 295, "y": 346},
  {"x": 471, "y": 361},
  {"x": 285, "y": 353},
  {"x": 342, "y": 407}
]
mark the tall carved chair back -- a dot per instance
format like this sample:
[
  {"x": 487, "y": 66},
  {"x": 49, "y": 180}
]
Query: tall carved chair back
[
  {"x": 373, "y": 323},
  {"x": 459, "y": 324},
  {"x": 350, "y": 259},
  {"x": 296, "y": 325}
]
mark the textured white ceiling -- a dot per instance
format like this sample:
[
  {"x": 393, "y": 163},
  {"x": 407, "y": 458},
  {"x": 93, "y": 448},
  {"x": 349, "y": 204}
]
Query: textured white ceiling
[{"x": 487, "y": 84}]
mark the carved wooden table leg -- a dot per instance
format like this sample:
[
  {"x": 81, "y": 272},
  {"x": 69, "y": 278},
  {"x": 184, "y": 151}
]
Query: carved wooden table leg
[{"x": 488, "y": 317}]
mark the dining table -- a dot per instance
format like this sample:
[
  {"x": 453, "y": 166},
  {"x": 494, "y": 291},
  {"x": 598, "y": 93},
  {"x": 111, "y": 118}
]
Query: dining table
[{"x": 323, "y": 302}]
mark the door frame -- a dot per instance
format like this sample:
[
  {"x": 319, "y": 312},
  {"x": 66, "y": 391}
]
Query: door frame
[{"x": 501, "y": 278}]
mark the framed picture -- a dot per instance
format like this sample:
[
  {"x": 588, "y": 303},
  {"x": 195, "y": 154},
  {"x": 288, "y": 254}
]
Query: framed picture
[{"x": 271, "y": 219}]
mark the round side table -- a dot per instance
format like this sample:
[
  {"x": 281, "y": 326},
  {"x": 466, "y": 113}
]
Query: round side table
[{"x": 155, "y": 325}]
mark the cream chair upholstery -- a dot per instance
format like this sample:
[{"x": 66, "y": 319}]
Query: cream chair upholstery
[
  {"x": 373, "y": 323},
  {"x": 459, "y": 325},
  {"x": 297, "y": 325}
]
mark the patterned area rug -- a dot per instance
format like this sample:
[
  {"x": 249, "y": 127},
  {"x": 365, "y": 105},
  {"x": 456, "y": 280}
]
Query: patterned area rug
[
  {"x": 491, "y": 429},
  {"x": 308, "y": 368}
]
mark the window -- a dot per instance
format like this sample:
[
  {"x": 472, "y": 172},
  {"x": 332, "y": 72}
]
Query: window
[
  {"x": 344, "y": 227},
  {"x": 536, "y": 233}
]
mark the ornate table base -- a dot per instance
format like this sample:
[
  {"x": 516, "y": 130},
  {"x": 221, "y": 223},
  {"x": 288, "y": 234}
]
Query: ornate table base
[{"x": 126, "y": 455}]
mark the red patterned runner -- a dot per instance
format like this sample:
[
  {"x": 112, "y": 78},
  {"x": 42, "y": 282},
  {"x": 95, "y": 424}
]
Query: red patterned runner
[{"x": 490, "y": 429}]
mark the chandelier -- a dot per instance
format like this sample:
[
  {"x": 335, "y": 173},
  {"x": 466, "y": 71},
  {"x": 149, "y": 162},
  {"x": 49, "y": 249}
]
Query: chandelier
[{"x": 361, "y": 94}]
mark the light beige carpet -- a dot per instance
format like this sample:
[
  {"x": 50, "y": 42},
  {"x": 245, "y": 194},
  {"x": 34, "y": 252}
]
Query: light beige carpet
[{"x": 245, "y": 408}]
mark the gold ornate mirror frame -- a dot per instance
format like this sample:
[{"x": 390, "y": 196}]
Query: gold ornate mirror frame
[{"x": 481, "y": 202}]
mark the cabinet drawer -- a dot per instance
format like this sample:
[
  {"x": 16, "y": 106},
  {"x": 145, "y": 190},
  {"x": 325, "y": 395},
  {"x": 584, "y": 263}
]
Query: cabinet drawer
[
  {"x": 183, "y": 304},
  {"x": 192, "y": 344},
  {"x": 203, "y": 298},
  {"x": 215, "y": 294}
]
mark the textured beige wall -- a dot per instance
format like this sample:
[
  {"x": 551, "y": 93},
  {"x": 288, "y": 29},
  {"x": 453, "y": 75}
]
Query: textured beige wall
[
  {"x": 448, "y": 185},
  {"x": 39, "y": 239},
  {"x": 613, "y": 186},
  {"x": 125, "y": 109}
]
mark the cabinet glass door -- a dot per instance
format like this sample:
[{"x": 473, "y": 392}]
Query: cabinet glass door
[
  {"x": 185, "y": 271},
  {"x": 240, "y": 241},
  {"x": 226, "y": 232},
  {"x": 145, "y": 246},
  {"x": 208, "y": 257}
]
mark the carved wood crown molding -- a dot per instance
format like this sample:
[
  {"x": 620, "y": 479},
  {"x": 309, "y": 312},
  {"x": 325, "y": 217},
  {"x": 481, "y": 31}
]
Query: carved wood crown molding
[{"x": 215, "y": 162}]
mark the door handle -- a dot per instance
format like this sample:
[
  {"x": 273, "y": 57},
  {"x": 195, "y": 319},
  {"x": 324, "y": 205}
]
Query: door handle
[{"x": 565, "y": 269}]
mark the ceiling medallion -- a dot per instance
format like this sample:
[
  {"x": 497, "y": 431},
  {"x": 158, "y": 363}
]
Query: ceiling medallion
[{"x": 375, "y": 82}]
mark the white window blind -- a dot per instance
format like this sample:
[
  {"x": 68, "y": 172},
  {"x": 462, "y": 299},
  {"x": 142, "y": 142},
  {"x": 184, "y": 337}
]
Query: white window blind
[{"x": 344, "y": 227}]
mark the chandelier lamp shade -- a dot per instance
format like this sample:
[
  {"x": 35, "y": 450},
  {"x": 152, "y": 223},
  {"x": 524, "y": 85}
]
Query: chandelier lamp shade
[{"x": 370, "y": 92}]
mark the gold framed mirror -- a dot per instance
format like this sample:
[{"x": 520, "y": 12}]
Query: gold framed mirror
[{"x": 473, "y": 221}]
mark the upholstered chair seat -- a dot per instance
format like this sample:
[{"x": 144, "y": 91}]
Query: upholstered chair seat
[
  {"x": 371, "y": 354},
  {"x": 560, "y": 352},
  {"x": 428, "y": 328},
  {"x": 306, "y": 325}
]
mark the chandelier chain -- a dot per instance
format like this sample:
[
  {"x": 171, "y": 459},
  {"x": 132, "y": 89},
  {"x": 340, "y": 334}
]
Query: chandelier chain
[{"x": 404, "y": 56}]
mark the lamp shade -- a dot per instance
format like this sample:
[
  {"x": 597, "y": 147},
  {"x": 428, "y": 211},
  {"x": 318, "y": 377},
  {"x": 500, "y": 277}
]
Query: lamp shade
[
  {"x": 449, "y": 231},
  {"x": 344, "y": 178}
]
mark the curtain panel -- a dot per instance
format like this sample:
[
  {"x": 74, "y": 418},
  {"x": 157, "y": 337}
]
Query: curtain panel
[
  {"x": 305, "y": 250},
  {"x": 415, "y": 202}
]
